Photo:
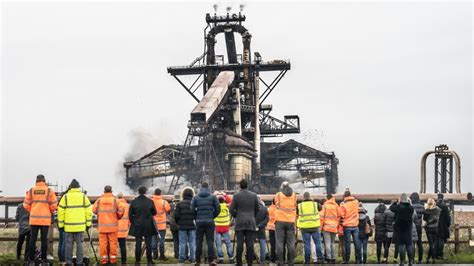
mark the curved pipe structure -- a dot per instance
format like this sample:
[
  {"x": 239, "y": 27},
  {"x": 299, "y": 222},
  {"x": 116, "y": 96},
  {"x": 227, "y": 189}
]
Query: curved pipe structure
[{"x": 457, "y": 160}]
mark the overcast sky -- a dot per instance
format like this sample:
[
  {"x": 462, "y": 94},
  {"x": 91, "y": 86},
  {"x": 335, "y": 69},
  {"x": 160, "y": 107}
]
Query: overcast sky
[{"x": 377, "y": 83}]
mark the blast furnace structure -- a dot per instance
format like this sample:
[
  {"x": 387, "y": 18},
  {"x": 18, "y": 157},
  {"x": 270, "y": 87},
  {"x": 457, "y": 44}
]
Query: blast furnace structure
[{"x": 231, "y": 124}]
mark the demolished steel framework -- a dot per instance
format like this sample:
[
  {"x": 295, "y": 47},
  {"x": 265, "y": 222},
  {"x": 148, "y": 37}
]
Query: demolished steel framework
[{"x": 225, "y": 142}]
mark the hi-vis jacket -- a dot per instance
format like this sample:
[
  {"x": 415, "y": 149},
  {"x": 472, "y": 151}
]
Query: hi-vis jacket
[
  {"x": 162, "y": 208},
  {"x": 350, "y": 212},
  {"x": 285, "y": 208},
  {"x": 271, "y": 217},
  {"x": 330, "y": 216},
  {"x": 108, "y": 213},
  {"x": 40, "y": 202},
  {"x": 223, "y": 219},
  {"x": 74, "y": 212},
  {"x": 308, "y": 215},
  {"x": 124, "y": 222}
]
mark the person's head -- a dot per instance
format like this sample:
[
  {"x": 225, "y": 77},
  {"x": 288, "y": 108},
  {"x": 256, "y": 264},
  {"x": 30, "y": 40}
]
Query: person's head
[
  {"x": 107, "y": 189},
  {"x": 221, "y": 199},
  {"x": 40, "y": 178},
  {"x": 415, "y": 197},
  {"x": 74, "y": 184},
  {"x": 403, "y": 198},
  {"x": 440, "y": 196},
  {"x": 187, "y": 193},
  {"x": 158, "y": 192},
  {"x": 329, "y": 196},
  {"x": 380, "y": 208},
  {"x": 347, "y": 193},
  {"x": 361, "y": 207},
  {"x": 142, "y": 190},
  {"x": 204, "y": 185},
  {"x": 120, "y": 195},
  {"x": 306, "y": 196},
  {"x": 243, "y": 184},
  {"x": 284, "y": 184},
  {"x": 430, "y": 204}
]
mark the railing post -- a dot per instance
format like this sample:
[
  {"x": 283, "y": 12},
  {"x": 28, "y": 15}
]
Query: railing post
[
  {"x": 6, "y": 215},
  {"x": 456, "y": 238}
]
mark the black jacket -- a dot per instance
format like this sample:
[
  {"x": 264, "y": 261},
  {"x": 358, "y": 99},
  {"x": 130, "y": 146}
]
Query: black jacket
[
  {"x": 431, "y": 217},
  {"x": 206, "y": 206},
  {"x": 141, "y": 214},
  {"x": 184, "y": 215},
  {"x": 444, "y": 220},
  {"x": 23, "y": 219},
  {"x": 262, "y": 217},
  {"x": 244, "y": 209},
  {"x": 389, "y": 218},
  {"x": 363, "y": 220},
  {"x": 170, "y": 217},
  {"x": 403, "y": 222},
  {"x": 379, "y": 222},
  {"x": 419, "y": 208}
]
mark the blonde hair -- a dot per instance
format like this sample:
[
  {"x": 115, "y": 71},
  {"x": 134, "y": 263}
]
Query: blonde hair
[{"x": 430, "y": 204}]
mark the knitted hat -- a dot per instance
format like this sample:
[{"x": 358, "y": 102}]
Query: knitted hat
[{"x": 74, "y": 184}]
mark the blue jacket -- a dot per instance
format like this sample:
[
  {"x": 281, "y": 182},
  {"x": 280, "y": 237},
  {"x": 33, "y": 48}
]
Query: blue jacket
[{"x": 206, "y": 206}]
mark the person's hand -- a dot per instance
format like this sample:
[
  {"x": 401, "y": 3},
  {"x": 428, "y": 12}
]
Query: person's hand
[{"x": 87, "y": 227}]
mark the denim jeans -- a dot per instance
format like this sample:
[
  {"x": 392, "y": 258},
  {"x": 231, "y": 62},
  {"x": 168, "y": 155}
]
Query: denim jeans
[
  {"x": 224, "y": 237},
  {"x": 263, "y": 249},
  {"x": 363, "y": 243},
  {"x": 71, "y": 239},
  {"x": 62, "y": 246},
  {"x": 187, "y": 237},
  {"x": 352, "y": 231},
  {"x": 159, "y": 242},
  {"x": 329, "y": 243},
  {"x": 316, "y": 237}
]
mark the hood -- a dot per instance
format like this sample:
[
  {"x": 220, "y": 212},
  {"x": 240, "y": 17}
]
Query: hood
[
  {"x": 431, "y": 211},
  {"x": 415, "y": 197},
  {"x": 204, "y": 192},
  {"x": 287, "y": 191},
  {"x": 187, "y": 193},
  {"x": 349, "y": 198},
  {"x": 157, "y": 197},
  {"x": 362, "y": 215},
  {"x": 380, "y": 208}
]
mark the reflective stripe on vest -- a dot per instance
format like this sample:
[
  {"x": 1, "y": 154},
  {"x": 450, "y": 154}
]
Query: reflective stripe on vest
[
  {"x": 308, "y": 216},
  {"x": 223, "y": 219},
  {"x": 285, "y": 209}
]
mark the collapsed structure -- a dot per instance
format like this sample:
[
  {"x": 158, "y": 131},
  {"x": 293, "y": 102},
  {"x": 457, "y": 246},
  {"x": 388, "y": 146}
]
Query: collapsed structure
[{"x": 229, "y": 126}]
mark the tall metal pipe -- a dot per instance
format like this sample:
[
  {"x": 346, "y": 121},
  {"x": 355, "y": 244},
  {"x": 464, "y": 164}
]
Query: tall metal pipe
[
  {"x": 236, "y": 113},
  {"x": 257, "y": 124}
]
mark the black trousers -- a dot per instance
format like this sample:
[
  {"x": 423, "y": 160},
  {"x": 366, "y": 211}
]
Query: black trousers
[
  {"x": 123, "y": 249},
  {"x": 208, "y": 231},
  {"x": 138, "y": 248},
  {"x": 440, "y": 247},
  {"x": 419, "y": 243},
  {"x": 247, "y": 237},
  {"x": 21, "y": 239},
  {"x": 271, "y": 234},
  {"x": 408, "y": 249},
  {"x": 379, "y": 245},
  {"x": 35, "y": 230},
  {"x": 431, "y": 246},
  {"x": 388, "y": 242},
  {"x": 175, "y": 243}
]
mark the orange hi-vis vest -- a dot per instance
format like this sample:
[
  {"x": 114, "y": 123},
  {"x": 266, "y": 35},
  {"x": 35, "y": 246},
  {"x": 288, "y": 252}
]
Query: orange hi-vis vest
[
  {"x": 350, "y": 212},
  {"x": 108, "y": 213},
  {"x": 162, "y": 208},
  {"x": 285, "y": 208},
  {"x": 124, "y": 222},
  {"x": 40, "y": 202},
  {"x": 330, "y": 216},
  {"x": 271, "y": 218}
]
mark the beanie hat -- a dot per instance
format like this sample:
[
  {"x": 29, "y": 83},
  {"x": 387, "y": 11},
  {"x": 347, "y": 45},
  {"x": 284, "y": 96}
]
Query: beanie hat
[
  {"x": 347, "y": 193},
  {"x": 74, "y": 184},
  {"x": 440, "y": 196}
]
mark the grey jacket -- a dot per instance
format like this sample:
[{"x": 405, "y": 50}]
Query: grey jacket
[
  {"x": 23, "y": 219},
  {"x": 244, "y": 209}
]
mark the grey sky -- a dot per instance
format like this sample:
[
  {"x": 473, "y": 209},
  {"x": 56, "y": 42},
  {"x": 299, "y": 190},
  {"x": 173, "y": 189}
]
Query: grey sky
[{"x": 378, "y": 83}]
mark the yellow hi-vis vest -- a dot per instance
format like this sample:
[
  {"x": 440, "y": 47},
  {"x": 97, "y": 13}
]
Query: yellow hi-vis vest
[
  {"x": 223, "y": 219},
  {"x": 74, "y": 211},
  {"x": 308, "y": 215}
]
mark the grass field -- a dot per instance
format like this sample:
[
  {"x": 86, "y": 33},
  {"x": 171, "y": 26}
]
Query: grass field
[{"x": 7, "y": 252}]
